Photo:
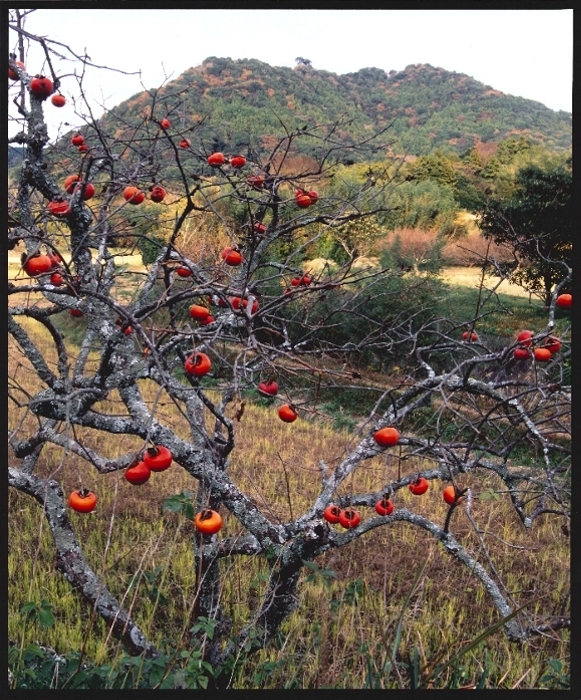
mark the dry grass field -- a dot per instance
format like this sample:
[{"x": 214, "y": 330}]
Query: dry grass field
[
  {"x": 471, "y": 277},
  {"x": 363, "y": 616}
]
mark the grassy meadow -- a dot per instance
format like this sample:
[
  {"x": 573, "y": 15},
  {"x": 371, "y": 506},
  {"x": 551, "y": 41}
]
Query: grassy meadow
[{"x": 380, "y": 613}]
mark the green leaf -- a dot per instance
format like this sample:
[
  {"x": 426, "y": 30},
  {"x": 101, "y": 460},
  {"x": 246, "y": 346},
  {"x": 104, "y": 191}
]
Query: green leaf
[
  {"x": 178, "y": 502},
  {"x": 488, "y": 495},
  {"x": 167, "y": 683},
  {"x": 13, "y": 654},
  {"x": 174, "y": 504},
  {"x": 310, "y": 565},
  {"x": 32, "y": 651},
  {"x": 27, "y": 608},
  {"x": 156, "y": 674},
  {"x": 325, "y": 573},
  {"x": 205, "y": 625},
  {"x": 45, "y": 618}
]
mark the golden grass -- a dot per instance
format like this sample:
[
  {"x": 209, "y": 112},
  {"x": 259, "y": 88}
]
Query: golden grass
[
  {"x": 327, "y": 636},
  {"x": 338, "y": 635},
  {"x": 471, "y": 277}
]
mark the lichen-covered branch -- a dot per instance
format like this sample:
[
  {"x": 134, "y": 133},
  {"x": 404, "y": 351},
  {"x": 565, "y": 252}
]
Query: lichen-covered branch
[{"x": 71, "y": 562}]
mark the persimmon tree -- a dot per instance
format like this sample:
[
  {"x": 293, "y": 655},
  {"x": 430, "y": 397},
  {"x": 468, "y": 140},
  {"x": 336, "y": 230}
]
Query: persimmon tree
[{"x": 270, "y": 321}]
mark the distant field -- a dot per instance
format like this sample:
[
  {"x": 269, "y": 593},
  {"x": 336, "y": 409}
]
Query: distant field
[
  {"x": 470, "y": 277},
  {"x": 132, "y": 261},
  {"x": 465, "y": 276}
]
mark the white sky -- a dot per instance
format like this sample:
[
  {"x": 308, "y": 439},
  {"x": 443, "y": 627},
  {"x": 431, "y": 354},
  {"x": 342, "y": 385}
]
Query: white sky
[{"x": 528, "y": 53}]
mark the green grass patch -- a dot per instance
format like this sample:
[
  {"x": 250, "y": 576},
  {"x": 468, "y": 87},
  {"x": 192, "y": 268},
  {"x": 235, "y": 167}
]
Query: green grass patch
[{"x": 506, "y": 315}]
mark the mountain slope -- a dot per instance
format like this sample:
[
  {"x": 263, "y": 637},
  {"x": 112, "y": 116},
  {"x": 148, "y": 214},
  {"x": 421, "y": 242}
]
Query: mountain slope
[{"x": 243, "y": 102}]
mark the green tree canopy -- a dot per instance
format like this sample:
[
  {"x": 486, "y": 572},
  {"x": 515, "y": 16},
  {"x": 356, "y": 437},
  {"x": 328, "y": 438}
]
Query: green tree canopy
[
  {"x": 435, "y": 166},
  {"x": 537, "y": 220}
]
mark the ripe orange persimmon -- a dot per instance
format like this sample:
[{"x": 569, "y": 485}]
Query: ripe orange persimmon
[
  {"x": 386, "y": 437},
  {"x": 564, "y": 301},
  {"x": 303, "y": 201},
  {"x": 199, "y": 313},
  {"x": 198, "y": 364},
  {"x": 419, "y": 486},
  {"x": 232, "y": 257},
  {"x": 157, "y": 193},
  {"x": 41, "y": 87},
  {"x": 384, "y": 507},
  {"x": 216, "y": 159},
  {"x": 237, "y": 302},
  {"x": 83, "y": 501},
  {"x": 269, "y": 388},
  {"x": 208, "y": 521},
  {"x": 253, "y": 308},
  {"x": 542, "y": 354},
  {"x": 70, "y": 183},
  {"x": 331, "y": 514},
  {"x": 552, "y": 344},
  {"x": 59, "y": 208},
  {"x": 138, "y": 474},
  {"x": 12, "y": 74},
  {"x": 158, "y": 458},
  {"x": 287, "y": 413},
  {"x": 259, "y": 227},
  {"x": 524, "y": 338},
  {"x": 58, "y": 100},
  {"x": 449, "y": 494},
  {"x": 38, "y": 265},
  {"x": 89, "y": 189},
  {"x": 255, "y": 181},
  {"x": 133, "y": 195},
  {"x": 238, "y": 161},
  {"x": 349, "y": 518}
]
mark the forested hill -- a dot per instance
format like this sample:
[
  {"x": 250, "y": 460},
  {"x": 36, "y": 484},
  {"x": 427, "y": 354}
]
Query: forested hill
[{"x": 242, "y": 102}]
